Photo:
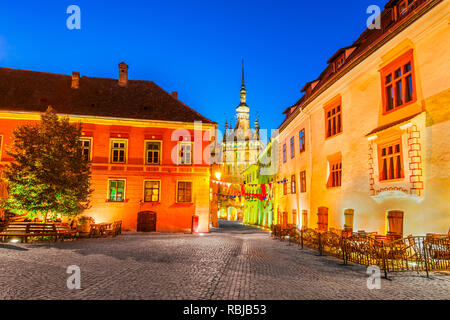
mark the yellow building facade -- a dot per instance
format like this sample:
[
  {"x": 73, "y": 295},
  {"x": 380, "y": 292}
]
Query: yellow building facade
[{"x": 366, "y": 147}]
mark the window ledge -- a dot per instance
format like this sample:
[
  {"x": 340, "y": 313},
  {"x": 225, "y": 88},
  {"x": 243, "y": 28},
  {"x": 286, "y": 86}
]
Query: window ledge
[{"x": 111, "y": 201}]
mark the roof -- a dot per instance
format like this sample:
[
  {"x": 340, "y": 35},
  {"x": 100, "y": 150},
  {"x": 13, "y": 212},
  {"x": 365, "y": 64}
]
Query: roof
[
  {"x": 392, "y": 124},
  {"x": 363, "y": 44},
  {"x": 31, "y": 91}
]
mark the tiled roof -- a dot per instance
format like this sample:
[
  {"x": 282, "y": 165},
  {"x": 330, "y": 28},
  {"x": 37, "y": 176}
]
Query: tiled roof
[
  {"x": 365, "y": 41},
  {"x": 32, "y": 91}
]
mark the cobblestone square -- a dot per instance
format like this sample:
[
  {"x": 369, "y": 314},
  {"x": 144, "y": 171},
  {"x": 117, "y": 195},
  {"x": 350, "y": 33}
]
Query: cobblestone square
[{"x": 233, "y": 262}]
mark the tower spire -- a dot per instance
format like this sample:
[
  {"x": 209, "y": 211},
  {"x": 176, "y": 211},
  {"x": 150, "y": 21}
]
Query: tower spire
[
  {"x": 243, "y": 82},
  {"x": 243, "y": 91}
]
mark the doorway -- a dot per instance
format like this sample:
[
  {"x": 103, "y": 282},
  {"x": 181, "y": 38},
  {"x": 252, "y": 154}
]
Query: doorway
[{"x": 146, "y": 221}]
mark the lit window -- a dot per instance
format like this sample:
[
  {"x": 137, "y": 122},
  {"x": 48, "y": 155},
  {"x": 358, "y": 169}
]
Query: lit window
[
  {"x": 335, "y": 177},
  {"x": 285, "y": 188},
  {"x": 153, "y": 152},
  {"x": 116, "y": 190},
  {"x": 302, "y": 140},
  {"x": 398, "y": 81},
  {"x": 391, "y": 167},
  {"x": 85, "y": 145},
  {"x": 151, "y": 191},
  {"x": 292, "y": 148},
  {"x": 293, "y": 189},
  {"x": 185, "y": 153},
  {"x": 284, "y": 153},
  {"x": 118, "y": 151},
  {"x": 184, "y": 191},
  {"x": 303, "y": 181},
  {"x": 333, "y": 117}
]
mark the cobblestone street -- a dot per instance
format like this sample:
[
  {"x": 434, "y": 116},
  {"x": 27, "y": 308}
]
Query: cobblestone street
[{"x": 234, "y": 262}]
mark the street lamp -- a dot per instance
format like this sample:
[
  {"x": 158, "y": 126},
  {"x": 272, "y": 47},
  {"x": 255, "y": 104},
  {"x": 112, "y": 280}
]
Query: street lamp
[{"x": 218, "y": 174}]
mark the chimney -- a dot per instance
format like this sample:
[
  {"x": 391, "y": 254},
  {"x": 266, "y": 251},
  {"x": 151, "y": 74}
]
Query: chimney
[
  {"x": 75, "y": 80},
  {"x": 175, "y": 94},
  {"x": 123, "y": 74}
]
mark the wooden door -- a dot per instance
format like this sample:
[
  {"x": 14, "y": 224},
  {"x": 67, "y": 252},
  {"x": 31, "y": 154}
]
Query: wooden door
[
  {"x": 395, "y": 219},
  {"x": 322, "y": 218},
  {"x": 146, "y": 221}
]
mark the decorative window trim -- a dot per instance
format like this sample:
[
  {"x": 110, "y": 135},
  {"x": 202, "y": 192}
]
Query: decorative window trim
[
  {"x": 146, "y": 152},
  {"x": 111, "y": 150},
  {"x": 159, "y": 190},
  {"x": 302, "y": 140},
  {"x": 292, "y": 147},
  {"x": 293, "y": 185},
  {"x": 180, "y": 143},
  {"x": 192, "y": 189},
  {"x": 334, "y": 179},
  {"x": 380, "y": 147},
  {"x": 91, "y": 142},
  {"x": 336, "y": 106},
  {"x": 389, "y": 70},
  {"x": 303, "y": 181},
  {"x": 109, "y": 190}
]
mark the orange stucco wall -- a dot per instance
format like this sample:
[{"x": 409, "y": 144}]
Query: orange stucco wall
[{"x": 171, "y": 216}]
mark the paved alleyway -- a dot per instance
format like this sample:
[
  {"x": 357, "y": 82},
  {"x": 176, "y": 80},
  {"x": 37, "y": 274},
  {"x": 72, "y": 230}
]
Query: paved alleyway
[{"x": 233, "y": 262}]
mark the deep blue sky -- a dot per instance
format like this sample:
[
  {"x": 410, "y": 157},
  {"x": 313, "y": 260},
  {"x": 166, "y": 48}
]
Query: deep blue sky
[{"x": 193, "y": 47}]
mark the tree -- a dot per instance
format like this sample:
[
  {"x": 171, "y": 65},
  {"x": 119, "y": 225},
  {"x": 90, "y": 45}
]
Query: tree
[{"x": 48, "y": 175}]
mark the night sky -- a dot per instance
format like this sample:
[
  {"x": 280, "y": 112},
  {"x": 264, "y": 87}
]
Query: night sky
[{"x": 193, "y": 47}]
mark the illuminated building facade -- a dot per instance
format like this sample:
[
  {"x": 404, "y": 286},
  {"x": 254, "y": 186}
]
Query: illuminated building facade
[
  {"x": 366, "y": 147},
  {"x": 145, "y": 146}
]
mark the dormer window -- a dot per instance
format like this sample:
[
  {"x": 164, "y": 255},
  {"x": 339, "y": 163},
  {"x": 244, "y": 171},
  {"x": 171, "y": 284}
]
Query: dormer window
[
  {"x": 404, "y": 7},
  {"x": 340, "y": 62}
]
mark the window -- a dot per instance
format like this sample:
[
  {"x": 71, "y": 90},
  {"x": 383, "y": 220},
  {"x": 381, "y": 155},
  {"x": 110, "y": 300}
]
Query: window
[
  {"x": 153, "y": 152},
  {"x": 334, "y": 180},
  {"x": 151, "y": 191},
  {"x": 184, "y": 191},
  {"x": 85, "y": 148},
  {"x": 390, "y": 165},
  {"x": 284, "y": 153},
  {"x": 293, "y": 191},
  {"x": 340, "y": 62},
  {"x": 398, "y": 83},
  {"x": 333, "y": 117},
  {"x": 303, "y": 181},
  {"x": 404, "y": 6},
  {"x": 185, "y": 153},
  {"x": 285, "y": 189},
  {"x": 116, "y": 191},
  {"x": 302, "y": 141},
  {"x": 292, "y": 148},
  {"x": 118, "y": 151}
]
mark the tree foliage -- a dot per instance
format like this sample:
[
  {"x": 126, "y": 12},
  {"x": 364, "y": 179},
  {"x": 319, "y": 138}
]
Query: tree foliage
[{"x": 48, "y": 174}]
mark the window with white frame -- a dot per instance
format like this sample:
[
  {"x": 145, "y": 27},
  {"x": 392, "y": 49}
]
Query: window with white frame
[
  {"x": 185, "y": 153},
  {"x": 86, "y": 145},
  {"x": 119, "y": 151},
  {"x": 153, "y": 152}
]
